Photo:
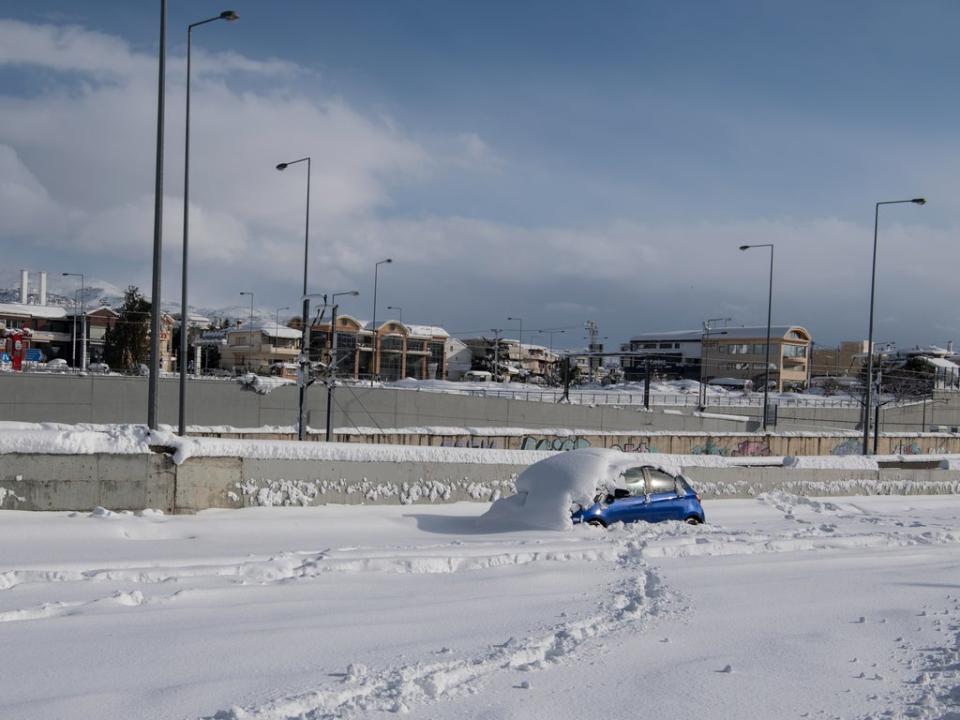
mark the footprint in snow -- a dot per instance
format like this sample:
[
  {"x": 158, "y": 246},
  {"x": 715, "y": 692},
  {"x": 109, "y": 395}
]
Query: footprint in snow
[
  {"x": 725, "y": 669},
  {"x": 525, "y": 685},
  {"x": 860, "y": 620}
]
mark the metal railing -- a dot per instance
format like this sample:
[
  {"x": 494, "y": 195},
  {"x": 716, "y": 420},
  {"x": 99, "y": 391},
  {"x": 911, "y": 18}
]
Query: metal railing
[{"x": 609, "y": 397}]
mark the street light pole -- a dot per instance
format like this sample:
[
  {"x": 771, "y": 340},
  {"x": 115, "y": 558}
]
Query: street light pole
[
  {"x": 301, "y": 430},
  {"x": 155, "y": 310},
  {"x": 873, "y": 286},
  {"x": 376, "y": 270},
  {"x": 250, "y": 326},
  {"x": 285, "y": 307},
  {"x": 399, "y": 309},
  {"x": 332, "y": 378},
  {"x": 766, "y": 365},
  {"x": 83, "y": 322},
  {"x": 230, "y": 16}
]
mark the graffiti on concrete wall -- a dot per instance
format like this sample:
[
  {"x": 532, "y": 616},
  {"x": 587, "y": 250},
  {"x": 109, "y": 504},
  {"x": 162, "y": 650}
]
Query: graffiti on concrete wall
[
  {"x": 452, "y": 441},
  {"x": 850, "y": 446},
  {"x": 642, "y": 446},
  {"x": 531, "y": 442},
  {"x": 744, "y": 448},
  {"x": 913, "y": 448}
]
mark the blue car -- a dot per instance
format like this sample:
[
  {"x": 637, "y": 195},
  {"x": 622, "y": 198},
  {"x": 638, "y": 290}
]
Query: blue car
[{"x": 644, "y": 493}]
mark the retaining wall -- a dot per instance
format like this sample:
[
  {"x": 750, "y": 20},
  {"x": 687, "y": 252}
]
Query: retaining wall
[{"x": 134, "y": 482}]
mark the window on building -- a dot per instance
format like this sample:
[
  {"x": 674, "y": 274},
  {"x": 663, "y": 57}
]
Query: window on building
[
  {"x": 390, "y": 365},
  {"x": 346, "y": 352},
  {"x": 391, "y": 343},
  {"x": 649, "y": 346},
  {"x": 437, "y": 355}
]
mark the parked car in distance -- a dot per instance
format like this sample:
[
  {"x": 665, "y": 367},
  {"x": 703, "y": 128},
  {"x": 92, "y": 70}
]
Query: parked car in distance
[
  {"x": 100, "y": 367},
  {"x": 645, "y": 493},
  {"x": 57, "y": 365}
]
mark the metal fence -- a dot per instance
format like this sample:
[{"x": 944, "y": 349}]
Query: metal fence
[{"x": 609, "y": 397}]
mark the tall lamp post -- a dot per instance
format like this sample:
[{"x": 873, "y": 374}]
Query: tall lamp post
[
  {"x": 83, "y": 322},
  {"x": 304, "y": 350},
  {"x": 766, "y": 364},
  {"x": 285, "y": 307},
  {"x": 873, "y": 287},
  {"x": 376, "y": 271},
  {"x": 250, "y": 325},
  {"x": 332, "y": 380},
  {"x": 155, "y": 310},
  {"x": 519, "y": 339},
  {"x": 398, "y": 309},
  {"x": 229, "y": 16}
]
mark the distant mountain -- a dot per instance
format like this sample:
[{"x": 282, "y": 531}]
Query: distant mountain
[{"x": 62, "y": 291}]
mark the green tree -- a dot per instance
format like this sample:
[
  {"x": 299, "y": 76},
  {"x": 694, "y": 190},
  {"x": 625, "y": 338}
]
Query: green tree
[{"x": 126, "y": 344}]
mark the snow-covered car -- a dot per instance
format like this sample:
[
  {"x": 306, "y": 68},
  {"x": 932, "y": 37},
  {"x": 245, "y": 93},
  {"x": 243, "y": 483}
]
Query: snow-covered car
[
  {"x": 57, "y": 365},
  {"x": 597, "y": 486},
  {"x": 100, "y": 367}
]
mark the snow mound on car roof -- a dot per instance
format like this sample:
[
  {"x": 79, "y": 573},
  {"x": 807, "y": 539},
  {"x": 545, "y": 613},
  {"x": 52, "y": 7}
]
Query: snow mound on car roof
[{"x": 547, "y": 489}]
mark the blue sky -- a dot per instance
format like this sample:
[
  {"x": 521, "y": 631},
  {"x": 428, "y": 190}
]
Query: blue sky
[{"x": 558, "y": 161}]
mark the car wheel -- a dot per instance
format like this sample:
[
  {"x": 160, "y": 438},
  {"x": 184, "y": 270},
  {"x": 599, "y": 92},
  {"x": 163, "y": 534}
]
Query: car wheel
[
  {"x": 692, "y": 520},
  {"x": 596, "y": 522}
]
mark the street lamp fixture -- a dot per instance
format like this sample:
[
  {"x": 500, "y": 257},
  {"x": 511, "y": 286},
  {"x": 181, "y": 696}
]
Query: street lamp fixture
[
  {"x": 229, "y": 16},
  {"x": 873, "y": 286},
  {"x": 301, "y": 424},
  {"x": 376, "y": 270},
  {"x": 766, "y": 364},
  {"x": 285, "y": 307},
  {"x": 398, "y": 309}
]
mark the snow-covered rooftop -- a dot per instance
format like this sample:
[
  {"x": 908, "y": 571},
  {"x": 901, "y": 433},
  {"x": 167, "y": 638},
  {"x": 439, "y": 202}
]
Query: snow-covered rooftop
[
  {"x": 744, "y": 331},
  {"x": 39, "y": 311},
  {"x": 270, "y": 330}
]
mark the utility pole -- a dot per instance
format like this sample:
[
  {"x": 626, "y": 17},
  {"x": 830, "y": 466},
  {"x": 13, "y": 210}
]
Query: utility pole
[
  {"x": 646, "y": 382},
  {"x": 496, "y": 353},
  {"x": 591, "y": 327}
]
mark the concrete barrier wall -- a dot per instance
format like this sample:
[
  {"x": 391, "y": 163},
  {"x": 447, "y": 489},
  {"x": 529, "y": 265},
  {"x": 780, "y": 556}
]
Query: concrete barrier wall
[
  {"x": 116, "y": 399},
  {"x": 727, "y": 444},
  {"x": 135, "y": 482}
]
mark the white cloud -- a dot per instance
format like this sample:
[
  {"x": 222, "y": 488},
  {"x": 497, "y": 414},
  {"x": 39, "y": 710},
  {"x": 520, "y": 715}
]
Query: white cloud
[{"x": 76, "y": 174}]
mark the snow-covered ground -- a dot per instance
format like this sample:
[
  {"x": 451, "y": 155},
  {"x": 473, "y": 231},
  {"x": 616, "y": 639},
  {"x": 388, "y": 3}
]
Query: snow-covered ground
[{"x": 781, "y": 607}]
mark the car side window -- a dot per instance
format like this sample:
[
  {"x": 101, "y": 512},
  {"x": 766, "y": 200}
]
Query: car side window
[
  {"x": 634, "y": 480},
  {"x": 659, "y": 481}
]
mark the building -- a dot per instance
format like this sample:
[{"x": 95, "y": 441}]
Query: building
[
  {"x": 737, "y": 353},
  {"x": 523, "y": 363},
  {"x": 98, "y": 321},
  {"x": 673, "y": 353},
  {"x": 459, "y": 359},
  {"x": 402, "y": 350},
  {"x": 259, "y": 349},
  {"x": 844, "y": 360}
]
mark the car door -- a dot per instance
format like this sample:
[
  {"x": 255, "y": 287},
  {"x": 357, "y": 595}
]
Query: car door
[
  {"x": 662, "y": 500},
  {"x": 628, "y": 508}
]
